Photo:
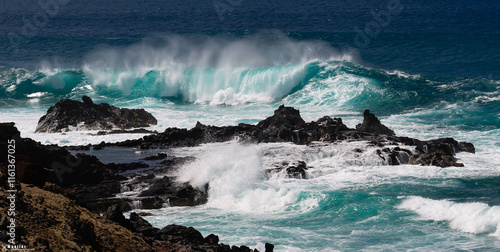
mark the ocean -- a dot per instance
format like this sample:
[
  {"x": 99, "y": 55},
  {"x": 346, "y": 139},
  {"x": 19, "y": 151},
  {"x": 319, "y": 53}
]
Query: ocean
[{"x": 426, "y": 69}]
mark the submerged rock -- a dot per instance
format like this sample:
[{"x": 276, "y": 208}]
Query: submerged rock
[{"x": 69, "y": 114}]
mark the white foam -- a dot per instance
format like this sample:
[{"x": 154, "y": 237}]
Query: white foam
[
  {"x": 37, "y": 94},
  {"x": 236, "y": 177},
  {"x": 402, "y": 74},
  {"x": 203, "y": 69},
  {"x": 476, "y": 218}
]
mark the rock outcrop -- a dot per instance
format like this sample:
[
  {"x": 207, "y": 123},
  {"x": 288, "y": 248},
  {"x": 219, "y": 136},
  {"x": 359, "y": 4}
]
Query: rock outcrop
[
  {"x": 166, "y": 190},
  {"x": 74, "y": 115},
  {"x": 47, "y": 221},
  {"x": 286, "y": 125},
  {"x": 371, "y": 124},
  {"x": 291, "y": 169},
  {"x": 175, "y": 237}
]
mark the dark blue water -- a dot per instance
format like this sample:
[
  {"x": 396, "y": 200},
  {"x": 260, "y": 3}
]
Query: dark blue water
[{"x": 449, "y": 38}]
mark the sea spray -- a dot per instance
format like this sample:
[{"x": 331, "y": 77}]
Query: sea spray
[{"x": 236, "y": 179}]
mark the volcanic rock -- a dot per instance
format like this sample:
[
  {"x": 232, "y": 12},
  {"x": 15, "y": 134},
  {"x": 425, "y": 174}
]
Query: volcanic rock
[
  {"x": 46, "y": 221},
  {"x": 69, "y": 114},
  {"x": 178, "y": 194},
  {"x": 371, "y": 124},
  {"x": 293, "y": 169}
]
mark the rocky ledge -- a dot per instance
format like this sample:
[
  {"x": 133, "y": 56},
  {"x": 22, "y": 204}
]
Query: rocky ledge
[
  {"x": 286, "y": 125},
  {"x": 46, "y": 220},
  {"x": 74, "y": 115},
  {"x": 95, "y": 184}
]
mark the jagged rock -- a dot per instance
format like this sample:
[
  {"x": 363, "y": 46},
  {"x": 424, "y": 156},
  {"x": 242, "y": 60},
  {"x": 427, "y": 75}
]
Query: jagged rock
[
  {"x": 178, "y": 194},
  {"x": 152, "y": 202},
  {"x": 58, "y": 190},
  {"x": 395, "y": 156},
  {"x": 467, "y": 147},
  {"x": 180, "y": 238},
  {"x": 89, "y": 116},
  {"x": 101, "y": 205},
  {"x": 269, "y": 247},
  {"x": 327, "y": 129},
  {"x": 90, "y": 194},
  {"x": 440, "y": 155},
  {"x": 142, "y": 226},
  {"x": 283, "y": 116},
  {"x": 87, "y": 101},
  {"x": 284, "y": 125},
  {"x": 371, "y": 124},
  {"x": 453, "y": 146},
  {"x": 440, "y": 152},
  {"x": 121, "y": 167},
  {"x": 115, "y": 214},
  {"x": 211, "y": 239},
  {"x": 28, "y": 172},
  {"x": 293, "y": 169}
]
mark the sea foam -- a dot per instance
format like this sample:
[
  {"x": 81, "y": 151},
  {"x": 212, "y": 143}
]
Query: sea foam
[
  {"x": 236, "y": 179},
  {"x": 474, "y": 217}
]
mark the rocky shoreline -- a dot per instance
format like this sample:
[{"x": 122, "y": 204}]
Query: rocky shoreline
[{"x": 87, "y": 183}]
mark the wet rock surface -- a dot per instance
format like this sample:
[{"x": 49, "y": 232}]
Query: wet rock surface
[
  {"x": 69, "y": 114},
  {"x": 179, "y": 237},
  {"x": 48, "y": 221},
  {"x": 286, "y": 125},
  {"x": 291, "y": 169}
]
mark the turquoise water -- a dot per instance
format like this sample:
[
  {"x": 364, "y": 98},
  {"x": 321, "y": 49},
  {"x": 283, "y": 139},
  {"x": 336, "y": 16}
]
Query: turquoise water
[{"x": 349, "y": 203}]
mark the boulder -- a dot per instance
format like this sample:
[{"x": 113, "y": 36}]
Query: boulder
[
  {"x": 177, "y": 233},
  {"x": 69, "y": 114}
]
